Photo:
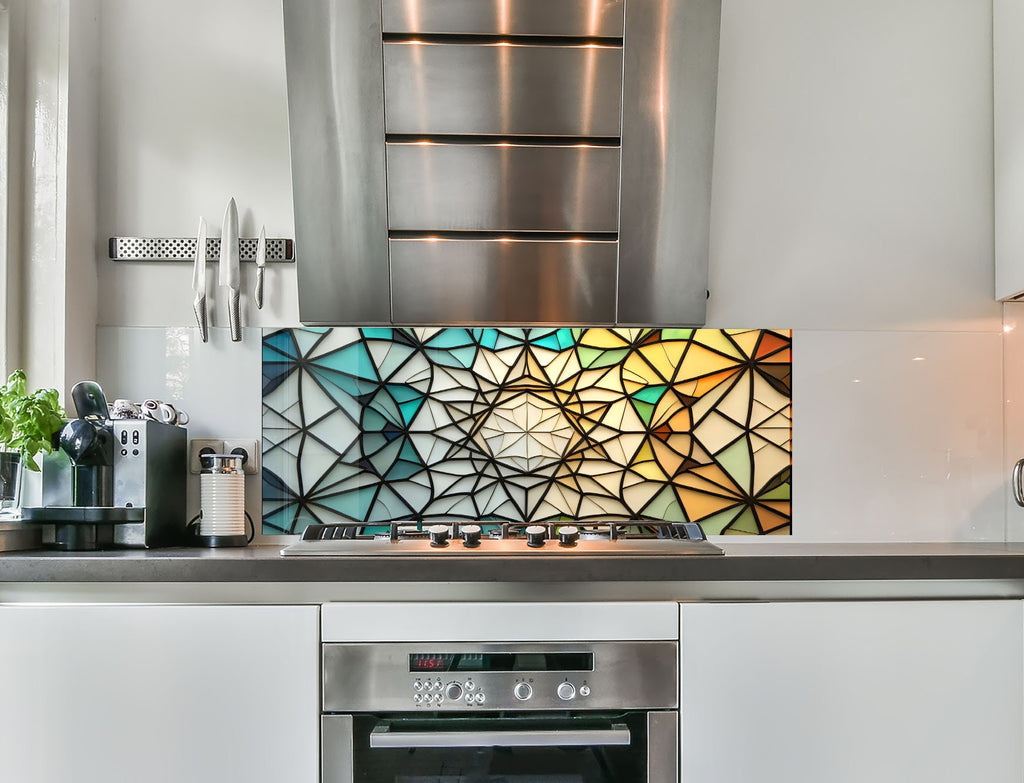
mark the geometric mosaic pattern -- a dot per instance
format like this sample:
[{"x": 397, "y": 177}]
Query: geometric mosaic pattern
[{"x": 376, "y": 424}]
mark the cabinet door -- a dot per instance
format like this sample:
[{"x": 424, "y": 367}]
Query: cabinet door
[
  {"x": 159, "y": 694},
  {"x": 1008, "y": 122},
  {"x": 856, "y": 692}
]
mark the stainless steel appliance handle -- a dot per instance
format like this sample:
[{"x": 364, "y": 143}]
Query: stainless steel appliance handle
[
  {"x": 383, "y": 737},
  {"x": 1018, "y": 486}
]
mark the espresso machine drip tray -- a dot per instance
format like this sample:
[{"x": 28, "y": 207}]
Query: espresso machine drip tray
[
  {"x": 91, "y": 515},
  {"x": 78, "y": 528}
]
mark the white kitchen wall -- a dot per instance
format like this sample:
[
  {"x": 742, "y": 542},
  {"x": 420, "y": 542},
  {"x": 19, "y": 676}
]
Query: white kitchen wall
[{"x": 852, "y": 203}]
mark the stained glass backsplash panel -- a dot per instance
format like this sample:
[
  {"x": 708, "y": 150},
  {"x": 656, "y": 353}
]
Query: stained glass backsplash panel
[{"x": 376, "y": 424}]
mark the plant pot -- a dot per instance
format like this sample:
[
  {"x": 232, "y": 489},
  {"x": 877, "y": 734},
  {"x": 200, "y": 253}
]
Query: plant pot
[{"x": 11, "y": 469}]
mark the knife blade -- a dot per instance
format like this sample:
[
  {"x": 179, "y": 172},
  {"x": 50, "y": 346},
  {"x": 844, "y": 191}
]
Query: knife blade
[
  {"x": 261, "y": 262},
  {"x": 229, "y": 273},
  {"x": 199, "y": 281}
]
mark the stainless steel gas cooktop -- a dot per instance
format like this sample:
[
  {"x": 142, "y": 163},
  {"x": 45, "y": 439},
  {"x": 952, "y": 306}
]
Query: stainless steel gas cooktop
[{"x": 453, "y": 538}]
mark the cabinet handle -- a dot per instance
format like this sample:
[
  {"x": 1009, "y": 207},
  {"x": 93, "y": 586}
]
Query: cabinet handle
[
  {"x": 382, "y": 737},
  {"x": 1018, "y": 486}
]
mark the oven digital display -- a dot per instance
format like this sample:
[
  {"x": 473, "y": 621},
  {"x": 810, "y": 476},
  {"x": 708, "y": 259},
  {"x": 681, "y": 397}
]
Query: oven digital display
[{"x": 502, "y": 662}]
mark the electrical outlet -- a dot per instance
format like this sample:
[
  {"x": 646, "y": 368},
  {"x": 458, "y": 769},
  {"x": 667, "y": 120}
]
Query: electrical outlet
[
  {"x": 198, "y": 446},
  {"x": 249, "y": 448}
]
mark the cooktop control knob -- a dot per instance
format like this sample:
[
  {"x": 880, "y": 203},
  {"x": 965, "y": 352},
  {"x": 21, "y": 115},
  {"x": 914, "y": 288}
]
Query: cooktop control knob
[
  {"x": 470, "y": 535},
  {"x": 568, "y": 535},
  {"x": 453, "y": 691},
  {"x": 438, "y": 535},
  {"x": 535, "y": 535},
  {"x": 522, "y": 691},
  {"x": 566, "y": 691}
]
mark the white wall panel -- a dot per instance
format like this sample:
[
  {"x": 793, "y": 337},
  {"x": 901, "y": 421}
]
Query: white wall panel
[
  {"x": 193, "y": 111},
  {"x": 897, "y": 436}
]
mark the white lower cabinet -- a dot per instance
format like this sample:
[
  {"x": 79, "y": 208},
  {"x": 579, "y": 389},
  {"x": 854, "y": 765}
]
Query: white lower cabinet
[
  {"x": 852, "y": 692},
  {"x": 159, "y": 694}
]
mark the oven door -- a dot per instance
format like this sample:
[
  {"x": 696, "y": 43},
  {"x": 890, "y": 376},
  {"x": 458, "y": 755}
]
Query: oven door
[{"x": 630, "y": 747}]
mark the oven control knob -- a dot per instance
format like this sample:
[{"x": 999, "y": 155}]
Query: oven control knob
[
  {"x": 535, "y": 535},
  {"x": 584, "y": 690},
  {"x": 566, "y": 691},
  {"x": 522, "y": 691},
  {"x": 568, "y": 535},
  {"x": 470, "y": 535},
  {"x": 438, "y": 535},
  {"x": 453, "y": 691}
]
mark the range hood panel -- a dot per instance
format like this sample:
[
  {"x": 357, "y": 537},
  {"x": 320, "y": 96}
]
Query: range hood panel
[
  {"x": 502, "y": 188},
  {"x": 438, "y": 88},
  {"x": 592, "y": 18},
  {"x": 496, "y": 281}
]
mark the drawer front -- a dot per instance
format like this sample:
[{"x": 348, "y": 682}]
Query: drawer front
[
  {"x": 502, "y": 89},
  {"x": 597, "y": 18},
  {"x": 510, "y": 281},
  {"x": 498, "y": 187}
]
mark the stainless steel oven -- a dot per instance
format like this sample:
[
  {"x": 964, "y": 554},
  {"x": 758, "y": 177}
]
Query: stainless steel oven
[{"x": 516, "y": 712}]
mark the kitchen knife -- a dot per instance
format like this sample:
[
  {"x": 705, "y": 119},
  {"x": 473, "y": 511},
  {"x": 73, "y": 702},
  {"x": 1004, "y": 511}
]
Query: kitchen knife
[
  {"x": 229, "y": 274},
  {"x": 199, "y": 281},
  {"x": 261, "y": 262}
]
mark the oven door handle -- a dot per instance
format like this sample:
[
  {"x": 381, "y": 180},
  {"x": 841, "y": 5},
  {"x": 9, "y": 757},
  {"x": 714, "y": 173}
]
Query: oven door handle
[{"x": 383, "y": 737}]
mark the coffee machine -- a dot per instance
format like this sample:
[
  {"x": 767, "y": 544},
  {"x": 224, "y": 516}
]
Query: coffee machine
[{"x": 117, "y": 482}]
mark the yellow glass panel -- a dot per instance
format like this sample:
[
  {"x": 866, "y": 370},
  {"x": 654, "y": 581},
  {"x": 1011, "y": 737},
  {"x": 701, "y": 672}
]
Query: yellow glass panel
[
  {"x": 716, "y": 432},
  {"x": 649, "y": 470},
  {"x": 604, "y": 338},
  {"x": 563, "y": 368},
  {"x": 783, "y": 507},
  {"x": 645, "y": 453},
  {"x": 639, "y": 495},
  {"x": 767, "y": 400},
  {"x": 717, "y": 341},
  {"x": 610, "y": 379},
  {"x": 735, "y": 405},
  {"x": 668, "y": 406},
  {"x": 699, "y": 505},
  {"x": 671, "y": 459},
  {"x": 780, "y": 436},
  {"x": 718, "y": 476},
  {"x": 700, "y": 361},
  {"x": 770, "y": 520},
  {"x": 690, "y": 480},
  {"x": 769, "y": 460},
  {"x": 746, "y": 339},
  {"x": 708, "y": 400},
  {"x": 704, "y": 385},
  {"x": 664, "y": 357}
]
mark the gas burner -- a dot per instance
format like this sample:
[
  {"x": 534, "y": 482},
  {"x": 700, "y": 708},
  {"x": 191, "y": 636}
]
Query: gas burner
[{"x": 447, "y": 537}]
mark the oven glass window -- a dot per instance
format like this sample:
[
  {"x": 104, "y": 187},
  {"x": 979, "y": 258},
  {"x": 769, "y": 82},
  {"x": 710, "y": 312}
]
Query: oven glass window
[{"x": 482, "y": 759}]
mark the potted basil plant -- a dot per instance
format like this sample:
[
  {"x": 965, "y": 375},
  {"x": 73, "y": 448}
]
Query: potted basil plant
[{"x": 28, "y": 423}]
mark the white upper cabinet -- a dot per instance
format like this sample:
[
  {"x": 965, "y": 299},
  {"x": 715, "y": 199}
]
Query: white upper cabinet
[{"x": 1008, "y": 111}]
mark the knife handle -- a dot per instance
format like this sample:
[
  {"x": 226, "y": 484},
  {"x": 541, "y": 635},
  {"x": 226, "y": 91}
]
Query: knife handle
[
  {"x": 258, "y": 293},
  {"x": 199, "y": 306},
  {"x": 234, "y": 317}
]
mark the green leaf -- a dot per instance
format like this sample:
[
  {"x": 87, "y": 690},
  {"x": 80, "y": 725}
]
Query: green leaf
[{"x": 28, "y": 421}]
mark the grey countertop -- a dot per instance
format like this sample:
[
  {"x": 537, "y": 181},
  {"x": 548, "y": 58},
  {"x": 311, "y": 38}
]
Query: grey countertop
[{"x": 748, "y": 561}]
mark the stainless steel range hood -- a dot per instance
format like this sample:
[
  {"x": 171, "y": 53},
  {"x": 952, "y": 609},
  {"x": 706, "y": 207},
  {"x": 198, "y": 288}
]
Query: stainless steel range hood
[{"x": 502, "y": 161}]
